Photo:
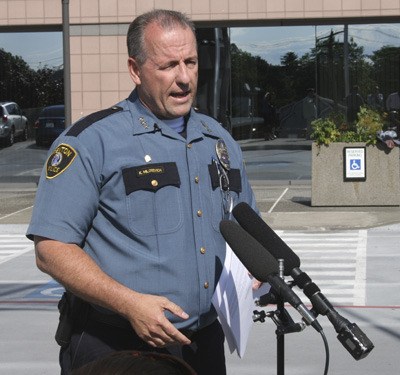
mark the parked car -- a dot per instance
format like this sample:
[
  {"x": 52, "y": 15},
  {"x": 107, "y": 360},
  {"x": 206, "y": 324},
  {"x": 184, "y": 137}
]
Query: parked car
[
  {"x": 50, "y": 124},
  {"x": 13, "y": 124}
]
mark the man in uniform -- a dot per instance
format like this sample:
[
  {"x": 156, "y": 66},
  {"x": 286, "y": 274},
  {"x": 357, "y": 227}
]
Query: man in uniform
[{"x": 128, "y": 208}]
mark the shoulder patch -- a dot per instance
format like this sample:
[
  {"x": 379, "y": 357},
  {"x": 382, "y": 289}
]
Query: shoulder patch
[
  {"x": 59, "y": 160},
  {"x": 82, "y": 124}
]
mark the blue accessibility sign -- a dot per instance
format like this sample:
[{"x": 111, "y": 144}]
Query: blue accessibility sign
[{"x": 355, "y": 164}]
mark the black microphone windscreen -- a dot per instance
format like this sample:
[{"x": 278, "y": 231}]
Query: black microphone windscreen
[
  {"x": 259, "y": 262},
  {"x": 256, "y": 227}
]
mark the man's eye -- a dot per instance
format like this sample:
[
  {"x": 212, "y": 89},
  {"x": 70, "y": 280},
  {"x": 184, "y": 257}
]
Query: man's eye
[
  {"x": 191, "y": 63},
  {"x": 168, "y": 66}
]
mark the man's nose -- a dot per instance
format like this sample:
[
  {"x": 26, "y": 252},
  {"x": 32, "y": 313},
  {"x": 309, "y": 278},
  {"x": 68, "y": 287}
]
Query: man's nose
[{"x": 183, "y": 75}]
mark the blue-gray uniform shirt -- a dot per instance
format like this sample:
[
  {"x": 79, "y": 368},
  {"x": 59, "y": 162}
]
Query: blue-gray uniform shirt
[{"x": 143, "y": 201}]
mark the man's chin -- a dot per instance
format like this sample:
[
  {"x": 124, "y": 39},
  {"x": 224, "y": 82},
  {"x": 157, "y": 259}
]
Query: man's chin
[{"x": 180, "y": 111}]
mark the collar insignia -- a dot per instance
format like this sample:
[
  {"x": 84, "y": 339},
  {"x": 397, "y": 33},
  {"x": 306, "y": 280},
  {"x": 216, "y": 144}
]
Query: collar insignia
[{"x": 143, "y": 122}]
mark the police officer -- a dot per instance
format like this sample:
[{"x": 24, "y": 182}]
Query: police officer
[{"x": 128, "y": 207}]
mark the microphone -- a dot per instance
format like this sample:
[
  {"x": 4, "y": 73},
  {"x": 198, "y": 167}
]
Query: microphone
[
  {"x": 349, "y": 334},
  {"x": 263, "y": 266}
]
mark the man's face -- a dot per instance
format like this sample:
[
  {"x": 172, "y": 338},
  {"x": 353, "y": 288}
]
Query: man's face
[{"x": 167, "y": 81}]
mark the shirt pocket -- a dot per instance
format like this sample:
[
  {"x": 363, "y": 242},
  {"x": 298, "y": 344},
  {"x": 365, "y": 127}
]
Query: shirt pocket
[
  {"x": 153, "y": 198},
  {"x": 219, "y": 207}
]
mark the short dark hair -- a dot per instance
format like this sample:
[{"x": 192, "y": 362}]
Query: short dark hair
[{"x": 167, "y": 19}]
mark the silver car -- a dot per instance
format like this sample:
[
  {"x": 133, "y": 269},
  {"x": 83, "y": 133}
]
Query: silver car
[{"x": 13, "y": 124}]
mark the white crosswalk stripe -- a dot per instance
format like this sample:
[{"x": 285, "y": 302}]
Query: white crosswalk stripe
[
  {"x": 335, "y": 261},
  {"x": 13, "y": 245}
]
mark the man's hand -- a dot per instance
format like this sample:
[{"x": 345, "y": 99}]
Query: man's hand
[
  {"x": 74, "y": 269},
  {"x": 257, "y": 284},
  {"x": 149, "y": 322}
]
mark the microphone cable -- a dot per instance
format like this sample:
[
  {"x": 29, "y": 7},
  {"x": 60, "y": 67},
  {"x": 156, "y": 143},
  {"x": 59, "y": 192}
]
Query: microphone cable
[{"x": 326, "y": 352}]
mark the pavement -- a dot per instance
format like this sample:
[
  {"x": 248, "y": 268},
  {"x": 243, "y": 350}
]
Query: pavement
[{"x": 276, "y": 144}]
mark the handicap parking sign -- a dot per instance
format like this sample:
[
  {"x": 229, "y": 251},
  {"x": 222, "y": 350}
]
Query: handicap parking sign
[{"x": 354, "y": 163}]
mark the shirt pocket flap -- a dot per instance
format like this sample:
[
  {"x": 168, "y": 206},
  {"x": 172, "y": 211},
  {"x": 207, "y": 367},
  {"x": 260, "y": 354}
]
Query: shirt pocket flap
[{"x": 151, "y": 177}]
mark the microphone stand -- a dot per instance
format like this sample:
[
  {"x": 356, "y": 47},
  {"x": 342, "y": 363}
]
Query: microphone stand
[{"x": 281, "y": 318}]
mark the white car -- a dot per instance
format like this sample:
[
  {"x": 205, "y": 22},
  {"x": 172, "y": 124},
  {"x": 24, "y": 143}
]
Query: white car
[{"x": 13, "y": 124}]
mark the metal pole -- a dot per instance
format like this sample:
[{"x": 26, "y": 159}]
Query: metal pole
[
  {"x": 316, "y": 71},
  {"x": 346, "y": 59},
  {"x": 217, "y": 62},
  {"x": 67, "y": 65},
  {"x": 316, "y": 61},
  {"x": 280, "y": 363}
]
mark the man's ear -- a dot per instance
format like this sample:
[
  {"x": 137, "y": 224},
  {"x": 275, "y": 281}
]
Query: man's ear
[{"x": 134, "y": 71}]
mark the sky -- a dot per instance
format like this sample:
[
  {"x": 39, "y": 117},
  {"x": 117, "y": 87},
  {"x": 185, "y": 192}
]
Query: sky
[
  {"x": 271, "y": 43},
  {"x": 40, "y": 49}
]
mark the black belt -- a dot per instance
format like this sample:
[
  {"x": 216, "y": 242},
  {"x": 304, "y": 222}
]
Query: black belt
[
  {"x": 109, "y": 319},
  {"x": 118, "y": 321}
]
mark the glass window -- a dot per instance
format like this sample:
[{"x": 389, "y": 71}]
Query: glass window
[{"x": 306, "y": 72}]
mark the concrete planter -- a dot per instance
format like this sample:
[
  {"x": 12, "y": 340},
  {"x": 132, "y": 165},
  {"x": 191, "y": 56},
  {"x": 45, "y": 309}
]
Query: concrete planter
[{"x": 381, "y": 187}]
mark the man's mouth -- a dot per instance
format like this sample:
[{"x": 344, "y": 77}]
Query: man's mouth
[{"x": 183, "y": 94}]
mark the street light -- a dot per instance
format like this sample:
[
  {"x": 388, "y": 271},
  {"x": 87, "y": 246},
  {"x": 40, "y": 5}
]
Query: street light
[{"x": 345, "y": 55}]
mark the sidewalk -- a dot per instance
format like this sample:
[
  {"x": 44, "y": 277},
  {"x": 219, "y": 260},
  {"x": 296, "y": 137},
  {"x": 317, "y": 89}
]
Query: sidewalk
[{"x": 276, "y": 144}]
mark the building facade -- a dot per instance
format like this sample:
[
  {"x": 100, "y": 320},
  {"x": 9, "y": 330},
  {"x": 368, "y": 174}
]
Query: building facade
[{"x": 98, "y": 53}]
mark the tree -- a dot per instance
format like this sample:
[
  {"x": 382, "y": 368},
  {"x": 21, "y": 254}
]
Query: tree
[
  {"x": 49, "y": 87},
  {"x": 290, "y": 65},
  {"x": 386, "y": 63},
  {"x": 15, "y": 79},
  {"x": 27, "y": 87},
  {"x": 329, "y": 56}
]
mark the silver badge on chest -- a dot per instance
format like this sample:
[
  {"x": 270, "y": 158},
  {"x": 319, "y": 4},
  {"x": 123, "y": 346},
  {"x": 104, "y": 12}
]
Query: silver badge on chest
[
  {"x": 223, "y": 166},
  {"x": 222, "y": 153}
]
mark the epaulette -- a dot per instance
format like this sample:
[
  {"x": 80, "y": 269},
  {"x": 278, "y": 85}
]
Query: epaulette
[{"x": 82, "y": 124}]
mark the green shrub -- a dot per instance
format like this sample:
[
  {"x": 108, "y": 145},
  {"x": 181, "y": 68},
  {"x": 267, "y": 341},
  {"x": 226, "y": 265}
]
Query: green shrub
[
  {"x": 324, "y": 131},
  {"x": 334, "y": 129}
]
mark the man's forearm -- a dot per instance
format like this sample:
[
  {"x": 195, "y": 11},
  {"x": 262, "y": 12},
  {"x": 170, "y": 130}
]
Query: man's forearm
[{"x": 77, "y": 272}]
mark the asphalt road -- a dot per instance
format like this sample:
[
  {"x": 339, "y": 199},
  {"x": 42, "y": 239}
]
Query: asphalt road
[{"x": 21, "y": 163}]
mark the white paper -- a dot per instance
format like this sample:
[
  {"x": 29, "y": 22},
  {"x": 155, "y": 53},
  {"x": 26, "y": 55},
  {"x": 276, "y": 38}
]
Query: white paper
[{"x": 234, "y": 301}]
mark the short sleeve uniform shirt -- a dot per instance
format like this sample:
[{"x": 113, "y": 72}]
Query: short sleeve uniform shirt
[{"x": 144, "y": 202}]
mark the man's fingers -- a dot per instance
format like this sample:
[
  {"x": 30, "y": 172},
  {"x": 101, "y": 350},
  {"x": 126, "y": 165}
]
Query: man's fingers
[
  {"x": 257, "y": 284},
  {"x": 170, "y": 337},
  {"x": 176, "y": 310},
  {"x": 153, "y": 326}
]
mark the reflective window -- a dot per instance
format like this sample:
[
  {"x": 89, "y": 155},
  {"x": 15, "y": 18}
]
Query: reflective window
[{"x": 282, "y": 78}]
